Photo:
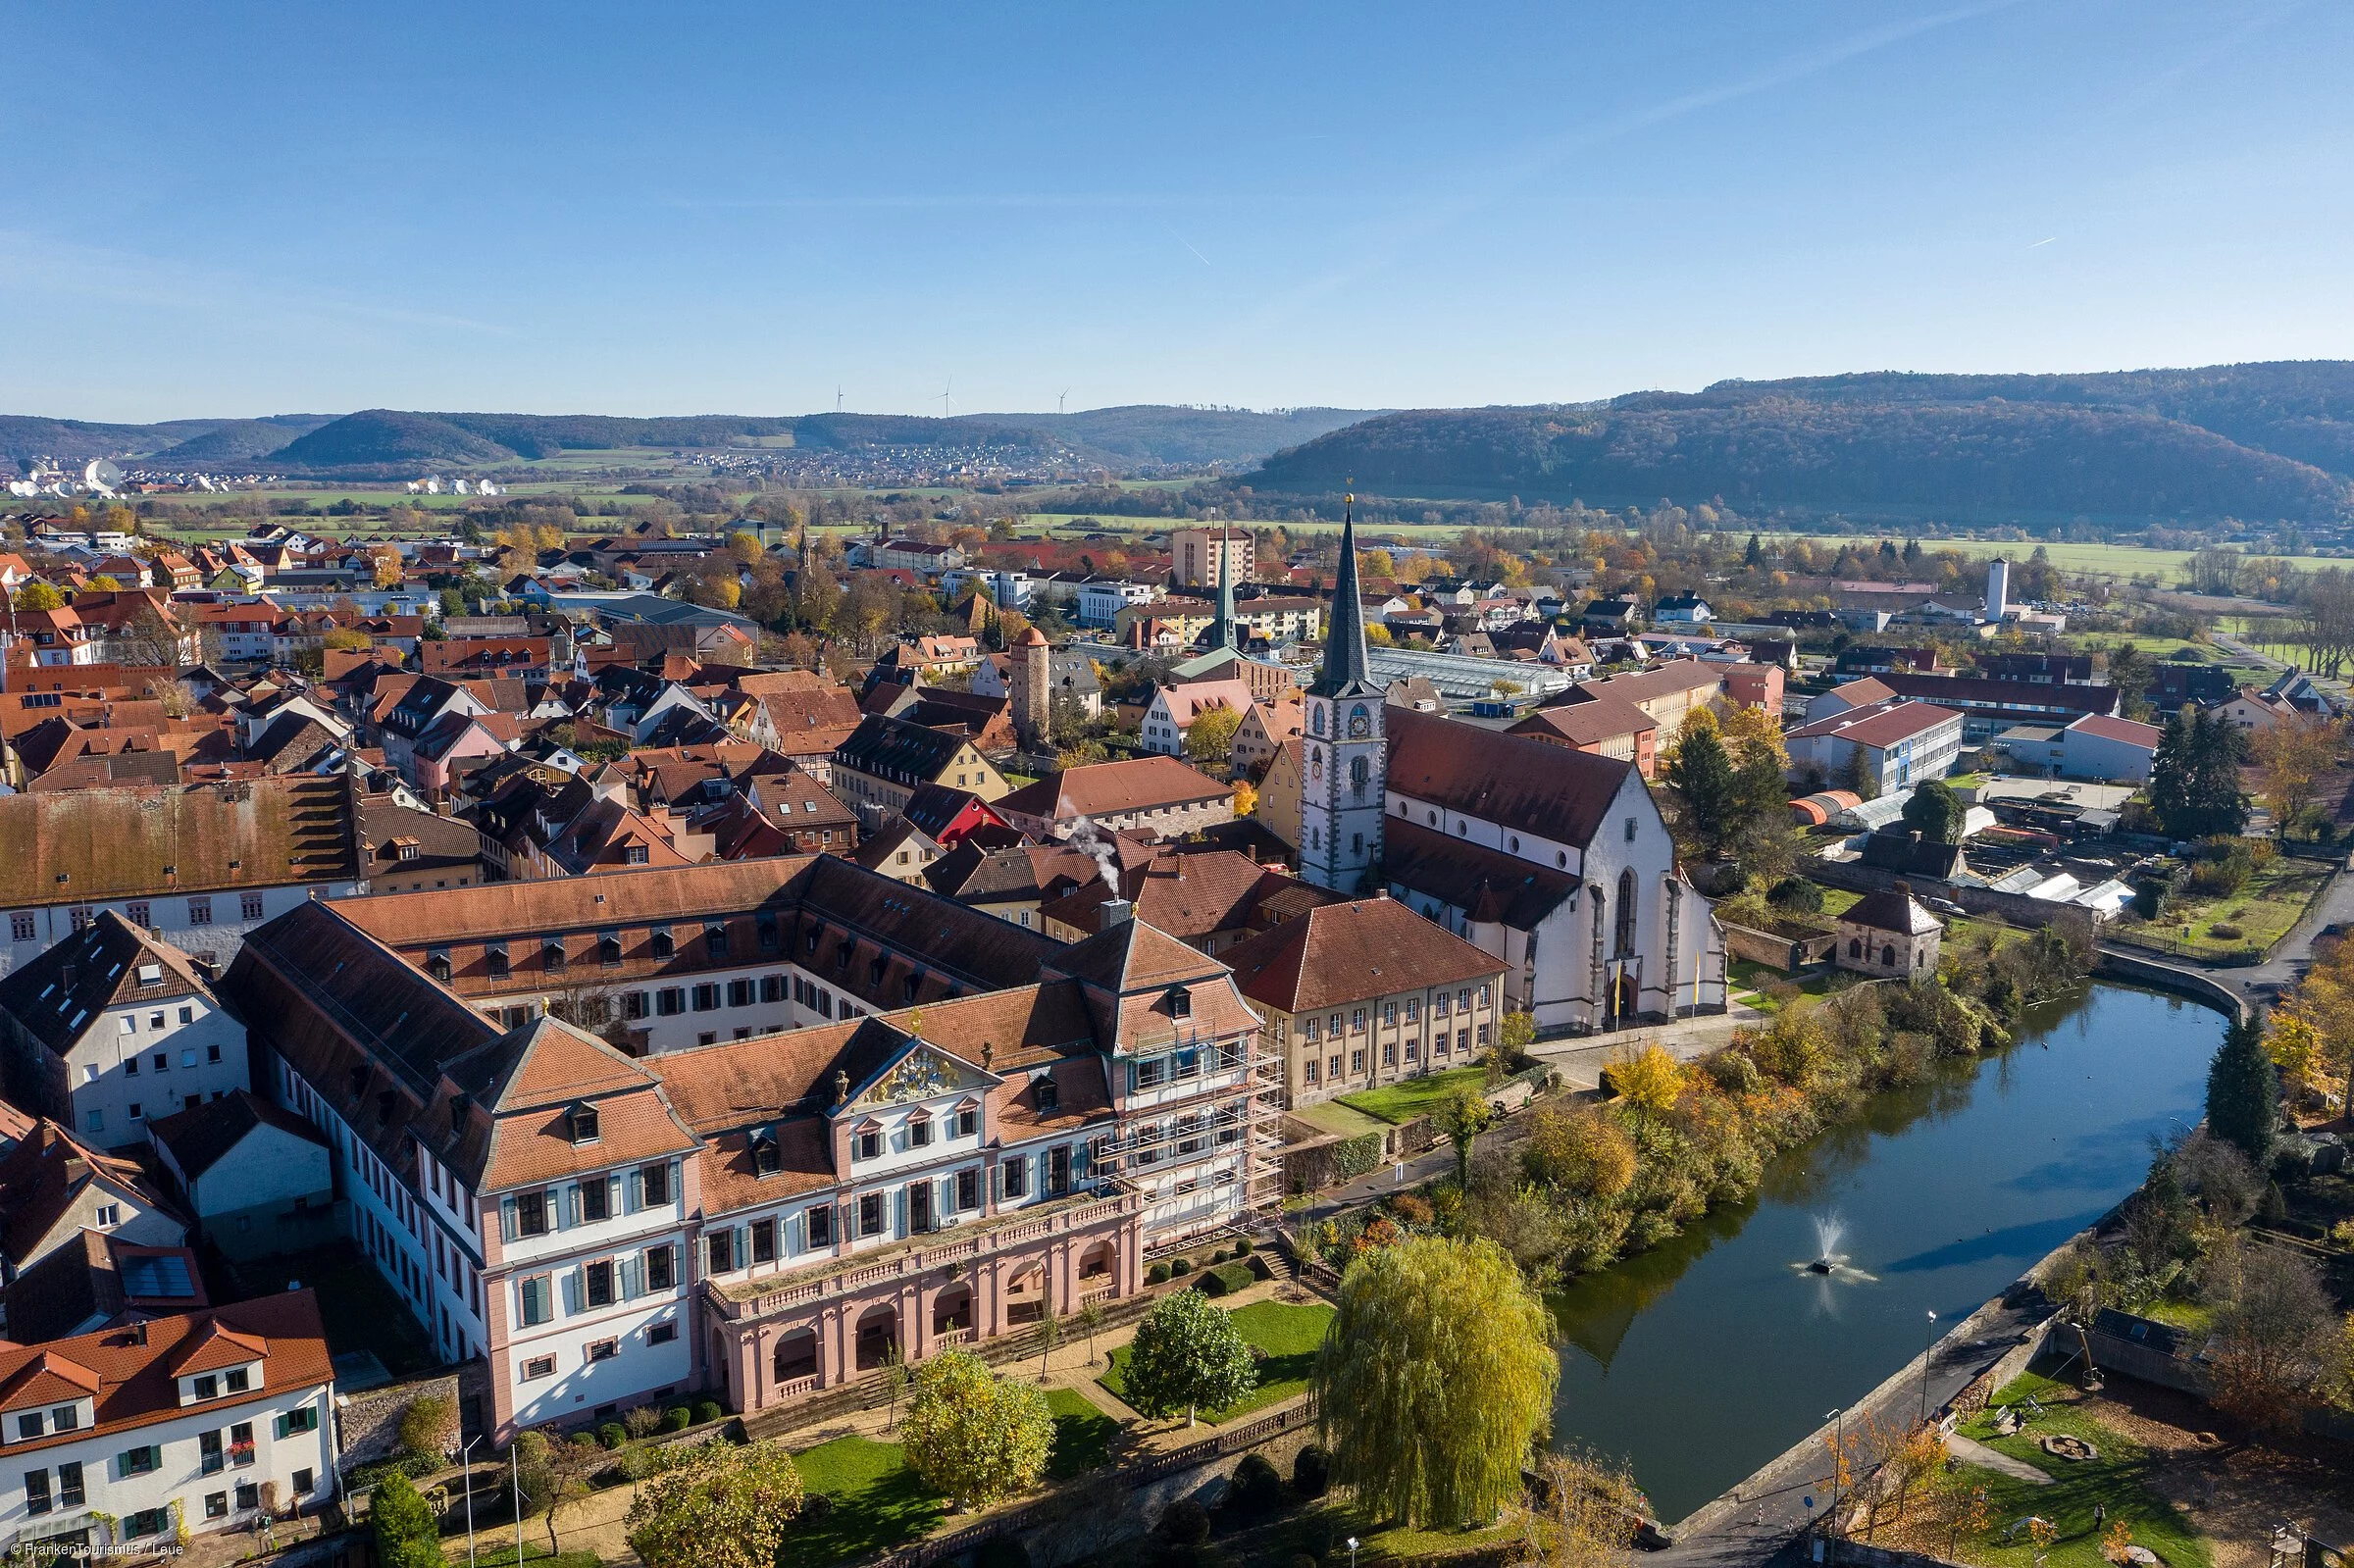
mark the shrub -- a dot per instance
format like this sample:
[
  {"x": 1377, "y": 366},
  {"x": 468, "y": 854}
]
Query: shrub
[
  {"x": 612, "y": 1433},
  {"x": 1315, "y": 1536},
  {"x": 1733, "y": 1072},
  {"x": 1301, "y": 1559},
  {"x": 1218, "y": 1256},
  {"x": 1212, "y": 1283},
  {"x": 1183, "y": 1523},
  {"x": 1003, "y": 1551},
  {"x": 1180, "y": 1266},
  {"x": 1311, "y": 1472},
  {"x": 430, "y": 1425},
  {"x": 707, "y": 1410},
  {"x": 817, "y": 1508},
  {"x": 1257, "y": 1486},
  {"x": 1158, "y": 1273},
  {"x": 1241, "y": 1248},
  {"x": 2223, "y": 931},
  {"x": 643, "y": 1421},
  {"x": 1796, "y": 894},
  {"x": 677, "y": 1418}
]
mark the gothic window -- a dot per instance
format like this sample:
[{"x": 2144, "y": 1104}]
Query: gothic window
[
  {"x": 1361, "y": 723},
  {"x": 1315, "y": 712},
  {"x": 1360, "y": 774},
  {"x": 1626, "y": 915}
]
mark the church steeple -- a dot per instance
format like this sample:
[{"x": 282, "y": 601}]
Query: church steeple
[
  {"x": 1222, "y": 633},
  {"x": 1348, "y": 669}
]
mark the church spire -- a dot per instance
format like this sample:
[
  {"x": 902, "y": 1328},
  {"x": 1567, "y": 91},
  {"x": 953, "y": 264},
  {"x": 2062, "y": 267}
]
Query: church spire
[
  {"x": 1348, "y": 669},
  {"x": 1221, "y": 636}
]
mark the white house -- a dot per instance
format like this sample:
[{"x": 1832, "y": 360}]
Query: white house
[
  {"x": 1101, "y": 599},
  {"x": 1175, "y": 708},
  {"x": 53, "y": 1188},
  {"x": 256, "y": 1179},
  {"x": 111, "y": 1029},
  {"x": 196, "y": 1421},
  {"x": 1900, "y": 742}
]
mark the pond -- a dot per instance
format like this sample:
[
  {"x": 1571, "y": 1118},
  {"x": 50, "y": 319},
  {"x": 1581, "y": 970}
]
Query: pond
[{"x": 1711, "y": 1354}]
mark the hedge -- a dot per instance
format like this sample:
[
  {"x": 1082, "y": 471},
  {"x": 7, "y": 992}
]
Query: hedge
[{"x": 1354, "y": 1156}]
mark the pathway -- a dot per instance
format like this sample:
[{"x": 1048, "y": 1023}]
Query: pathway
[
  {"x": 1766, "y": 1515},
  {"x": 2291, "y": 958},
  {"x": 1971, "y": 1451}
]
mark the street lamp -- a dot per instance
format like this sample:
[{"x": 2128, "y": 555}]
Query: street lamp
[
  {"x": 1926, "y": 1351},
  {"x": 466, "y": 1461},
  {"x": 1837, "y": 1417},
  {"x": 1352, "y": 1551}
]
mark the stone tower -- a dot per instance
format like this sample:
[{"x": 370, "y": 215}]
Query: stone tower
[
  {"x": 1344, "y": 754},
  {"x": 1030, "y": 683}
]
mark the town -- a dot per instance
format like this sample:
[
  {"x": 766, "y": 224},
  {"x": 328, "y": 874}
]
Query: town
[{"x": 711, "y": 967}]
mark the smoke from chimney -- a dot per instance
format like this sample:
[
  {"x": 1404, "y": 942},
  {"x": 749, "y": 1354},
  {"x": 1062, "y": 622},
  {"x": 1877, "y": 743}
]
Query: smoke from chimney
[{"x": 1097, "y": 845}]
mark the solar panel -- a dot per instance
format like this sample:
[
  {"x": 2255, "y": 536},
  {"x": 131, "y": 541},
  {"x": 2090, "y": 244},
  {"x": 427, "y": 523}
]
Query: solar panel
[{"x": 164, "y": 1275}]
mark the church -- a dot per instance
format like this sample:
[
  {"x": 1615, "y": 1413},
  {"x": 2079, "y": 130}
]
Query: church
[{"x": 1557, "y": 862}]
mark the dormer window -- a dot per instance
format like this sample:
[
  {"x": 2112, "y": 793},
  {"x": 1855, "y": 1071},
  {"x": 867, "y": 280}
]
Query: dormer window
[
  {"x": 1181, "y": 1002},
  {"x": 207, "y": 1386},
  {"x": 608, "y": 948},
  {"x": 869, "y": 1145},
  {"x": 715, "y": 938},
  {"x": 580, "y": 1123},
  {"x": 768, "y": 1158},
  {"x": 436, "y": 964},
  {"x": 1046, "y": 1093},
  {"x": 551, "y": 953},
  {"x": 495, "y": 960}
]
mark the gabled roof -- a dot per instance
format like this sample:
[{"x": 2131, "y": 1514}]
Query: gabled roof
[
  {"x": 90, "y": 845},
  {"x": 1879, "y": 725},
  {"x": 42, "y": 1176},
  {"x": 1132, "y": 957},
  {"x": 1348, "y": 951},
  {"x": 1112, "y": 788},
  {"x": 54, "y": 994},
  {"x": 204, "y": 1134},
  {"x": 1490, "y": 885},
  {"x": 896, "y": 748},
  {"x": 1526, "y": 783}
]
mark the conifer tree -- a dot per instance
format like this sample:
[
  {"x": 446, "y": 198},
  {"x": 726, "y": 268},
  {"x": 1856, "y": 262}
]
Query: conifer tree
[{"x": 2244, "y": 1092}]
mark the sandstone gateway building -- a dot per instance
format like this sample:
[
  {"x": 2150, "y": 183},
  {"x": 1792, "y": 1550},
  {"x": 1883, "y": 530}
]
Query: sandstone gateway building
[{"x": 934, "y": 1127}]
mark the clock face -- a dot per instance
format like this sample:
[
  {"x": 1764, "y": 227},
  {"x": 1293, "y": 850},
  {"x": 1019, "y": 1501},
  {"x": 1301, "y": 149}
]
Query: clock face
[{"x": 1360, "y": 726}]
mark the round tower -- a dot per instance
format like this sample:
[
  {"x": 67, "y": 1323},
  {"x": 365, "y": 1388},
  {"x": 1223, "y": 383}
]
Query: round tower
[{"x": 1030, "y": 683}]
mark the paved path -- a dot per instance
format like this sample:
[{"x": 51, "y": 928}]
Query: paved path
[
  {"x": 1972, "y": 1451},
  {"x": 2261, "y": 982},
  {"x": 1728, "y": 1533}
]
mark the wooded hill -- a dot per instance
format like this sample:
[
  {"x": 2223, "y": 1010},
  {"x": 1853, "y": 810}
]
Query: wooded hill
[
  {"x": 2254, "y": 441},
  {"x": 378, "y": 438}
]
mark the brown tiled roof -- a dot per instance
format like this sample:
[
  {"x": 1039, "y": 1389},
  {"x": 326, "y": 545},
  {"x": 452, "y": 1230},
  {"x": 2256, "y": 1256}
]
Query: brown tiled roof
[
  {"x": 1189, "y": 896},
  {"x": 1492, "y": 886},
  {"x": 1528, "y": 785},
  {"x": 1110, "y": 788},
  {"x": 531, "y": 1078},
  {"x": 135, "y": 1371},
  {"x": 1131, "y": 957},
  {"x": 1586, "y": 723},
  {"x": 55, "y": 993},
  {"x": 1347, "y": 952},
  {"x": 1890, "y": 910},
  {"x": 40, "y": 1177},
  {"x": 1663, "y": 681},
  {"x": 203, "y": 1134},
  {"x": 89, "y": 845}
]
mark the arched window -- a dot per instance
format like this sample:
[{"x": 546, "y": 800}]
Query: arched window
[
  {"x": 1921, "y": 958},
  {"x": 1315, "y": 711},
  {"x": 1627, "y": 914},
  {"x": 1360, "y": 772},
  {"x": 1888, "y": 957},
  {"x": 1854, "y": 948}
]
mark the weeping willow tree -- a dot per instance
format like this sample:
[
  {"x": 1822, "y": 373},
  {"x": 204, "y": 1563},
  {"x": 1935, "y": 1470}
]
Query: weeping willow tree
[{"x": 1433, "y": 1380}]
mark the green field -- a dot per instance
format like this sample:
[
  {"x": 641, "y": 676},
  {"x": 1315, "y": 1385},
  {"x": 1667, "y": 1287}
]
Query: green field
[
  {"x": 1400, "y": 1102},
  {"x": 1083, "y": 1435},
  {"x": 2099, "y": 560},
  {"x": 1288, "y": 1336}
]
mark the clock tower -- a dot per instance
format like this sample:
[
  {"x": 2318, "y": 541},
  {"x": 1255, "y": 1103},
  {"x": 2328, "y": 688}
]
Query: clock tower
[{"x": 1343, "y": 753}]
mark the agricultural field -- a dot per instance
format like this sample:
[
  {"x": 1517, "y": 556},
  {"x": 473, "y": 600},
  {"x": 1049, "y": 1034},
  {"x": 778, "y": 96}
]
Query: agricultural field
[{"x": 2119, "y": 560}]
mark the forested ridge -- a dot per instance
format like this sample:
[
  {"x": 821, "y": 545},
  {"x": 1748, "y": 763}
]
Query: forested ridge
[{"x": 2246, "y": 440}]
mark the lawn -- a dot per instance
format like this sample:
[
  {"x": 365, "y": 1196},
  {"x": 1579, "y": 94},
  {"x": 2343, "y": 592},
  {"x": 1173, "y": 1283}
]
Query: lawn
[
  {"x": 1332, "y": 1116},
  {"x": 1083, "y": 1435},
  {"x": 2114, "y": 1479},
  {"x": 1288, "y": 1337},
  {"x": 2275, "y": 897},
  {"x": 1750, "y": 980},
  {"x": 878, "y": 1502},
  {"x": 2101, "y": 560},
  {"x": 1400, "y": 1102}
]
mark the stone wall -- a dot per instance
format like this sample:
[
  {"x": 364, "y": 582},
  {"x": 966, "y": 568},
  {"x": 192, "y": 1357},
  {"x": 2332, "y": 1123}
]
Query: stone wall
[
  {"x": 2017, "y": 908},
  {"x": 368, "y": 1423},
  {"x": 1774, "y": 950},
  {"x": 2203, "y": 988}
]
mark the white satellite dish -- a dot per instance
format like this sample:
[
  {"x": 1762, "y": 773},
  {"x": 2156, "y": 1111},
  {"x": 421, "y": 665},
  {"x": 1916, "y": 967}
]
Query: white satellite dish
[{"x": 102, "y": 472}]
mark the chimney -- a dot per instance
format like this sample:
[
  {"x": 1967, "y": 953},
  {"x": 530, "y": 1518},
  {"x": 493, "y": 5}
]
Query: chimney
[
  {"x": 138, "y": 1331},
  {"x": 76, "y": 1167},
  {"x": 1904, "y": 889},
  {"x": 1115, "y": 912}
]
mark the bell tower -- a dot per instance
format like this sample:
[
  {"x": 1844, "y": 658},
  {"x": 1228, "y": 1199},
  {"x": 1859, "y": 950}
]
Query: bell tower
[{"x": 1344, "y": 755}]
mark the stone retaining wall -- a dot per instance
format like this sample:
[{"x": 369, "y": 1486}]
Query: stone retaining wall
[{"x": 2202, "y": 989}]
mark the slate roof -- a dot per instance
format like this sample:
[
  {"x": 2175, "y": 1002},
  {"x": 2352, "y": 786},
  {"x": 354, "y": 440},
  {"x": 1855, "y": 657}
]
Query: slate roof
[
  {"x": 1890, "y": 910},
  {"x": 54, "y": 994},
  {"x": 899, "y": 751},
  {"x": 1488, "y": 883}
]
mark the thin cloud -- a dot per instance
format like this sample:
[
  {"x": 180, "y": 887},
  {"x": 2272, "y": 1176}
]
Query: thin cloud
[
  {"x": 1556, "y": 150},
  {"x": 2040, "y": 244},
  {"x": 35, "y": 263}
]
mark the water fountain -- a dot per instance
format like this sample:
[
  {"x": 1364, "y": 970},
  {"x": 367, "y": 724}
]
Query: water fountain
[{"x": 1828, "y": 1262}]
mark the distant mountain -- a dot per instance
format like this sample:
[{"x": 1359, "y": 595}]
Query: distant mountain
[
  {"x": 238, "y": 442},
  {"x": 1155, "y": 432},
  {"x": 2256, "y": 442},
  {"x": 377, "y": 437}
]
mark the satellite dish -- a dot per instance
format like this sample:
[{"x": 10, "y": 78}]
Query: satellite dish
[{"x": 102, "y": 472}]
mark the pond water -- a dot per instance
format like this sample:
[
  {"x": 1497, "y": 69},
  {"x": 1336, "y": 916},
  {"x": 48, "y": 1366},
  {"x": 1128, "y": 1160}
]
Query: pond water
[{"x": 1706, "y": 1357}]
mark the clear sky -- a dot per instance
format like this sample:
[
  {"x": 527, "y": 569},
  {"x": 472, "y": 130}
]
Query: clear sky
[{"x": 242, "y": 209}]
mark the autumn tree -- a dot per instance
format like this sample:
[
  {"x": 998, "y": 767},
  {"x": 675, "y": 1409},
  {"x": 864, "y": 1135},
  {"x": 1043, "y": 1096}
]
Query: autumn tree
[
  {"x": 974, "y": 1436},
  {"x": 554, "y": 1470},
  {"x": 2291, "y": 755},
  {"x": 1580, "y": 1150},
  {"x": 37, "y": 596},
  {"x": 1590, "y": 1513},
  {"x": 717, "y": 1506},
  {"x": 1461, "y": 1117},
  {"x": 1649, "y": 1080},
  {"x": 2274, "y": 1333},
  {"x": 1188, "y": 1355},
  {"x": 1435, "y": 1376},
  {"x": 1209, "y": 738}
]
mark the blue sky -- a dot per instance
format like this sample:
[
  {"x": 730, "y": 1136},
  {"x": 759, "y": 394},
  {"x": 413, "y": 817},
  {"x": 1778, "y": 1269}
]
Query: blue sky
[{"x": 245, "y": 209}]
